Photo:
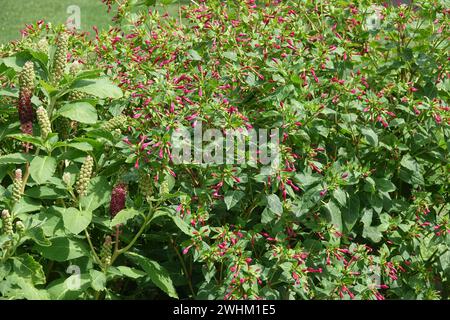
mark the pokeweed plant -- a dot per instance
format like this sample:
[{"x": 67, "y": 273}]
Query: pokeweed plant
[
  {"x": 57, "y": 156},
  {"x": 356, "y": 208}
]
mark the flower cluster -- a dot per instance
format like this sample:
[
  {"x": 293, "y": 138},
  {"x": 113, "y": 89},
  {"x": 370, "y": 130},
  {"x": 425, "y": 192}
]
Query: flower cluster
[
  {"x": 26, "y": 83},
  {"x": 85, "y": 176}
]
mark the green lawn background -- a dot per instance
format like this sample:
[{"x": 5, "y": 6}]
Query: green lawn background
[{"x": 15, "y": 14}]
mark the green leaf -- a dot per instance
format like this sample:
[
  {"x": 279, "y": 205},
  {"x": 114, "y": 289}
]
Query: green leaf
[
  {"x": 46, "y": 192},
  {"x": 26, "y": 267},
  {"x": 79, "y": 111},
  {"x": 42, "y": 168},
  {"x": 232, "y": 198},
  {"x": 371, "y": 136},
  {"x": 340, "y": 196},
  {"x": 123, "y": 216},
  {"x": 101, "y": 88},
  {"x": 15, "y": 158},
  {"x": 98, "y": 280},
  {"x": 47, "y": 88},
  {"x": 26, "y": 289},
  {"x": 411, "y": 177},
  {"x": 377, "y": 202},
  {"x": 372, "y": 233},
  {"x": 52, "y": 224},
  {"x": 193, "y": 55},
  {"x": 350, "y": 213},
  {"x": 410, "y": 171},
  {"x": 69, "y": 288},
  {"x": 26, "y": 138},
  {"x": 335, "y": 216},
  {"x": 37, "y": 235},
  {"x": 16, "y": 61},
  {"x": 83, "y": 146},
  {"x": 183, "y": 226},
  {"x": 124, "y": 271},
  {"x": 409, "y": 163},
  {"x": 274, "y": 204},
  {"x": 159, "y": 275},
  {"x": 98, "y": 193},
  {"x": 385, "y": 185},
  {"x": 26, "y": 205},
  {"x": 445, "y": 261},
  {"x": 63, "y": 249},
  {"x": 267, "y": 216},
  {"x": 76, "y": 221},
  {"x": 230, "y": 55},
  {"x": 251, "y": 79}
]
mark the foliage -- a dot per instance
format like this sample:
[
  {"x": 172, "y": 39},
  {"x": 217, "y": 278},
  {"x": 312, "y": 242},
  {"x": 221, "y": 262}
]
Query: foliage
[{"x": 357, "y": 208}]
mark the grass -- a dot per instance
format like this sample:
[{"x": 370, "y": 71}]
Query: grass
[{"x": 15, "y": 14}]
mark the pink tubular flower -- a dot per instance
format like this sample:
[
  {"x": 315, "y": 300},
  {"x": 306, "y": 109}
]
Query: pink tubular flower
[
  {"x": 289, "y": 182},
  {"x": 186, "y": 250},
  {"x": 437, "y": 118},
  {"x": 312, "y": 270},
  {"x": 314, "y": 75}
]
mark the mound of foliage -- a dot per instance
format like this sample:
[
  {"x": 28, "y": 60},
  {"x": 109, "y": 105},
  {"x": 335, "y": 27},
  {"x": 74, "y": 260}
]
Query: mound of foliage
[{"x": 94, "y": 207}]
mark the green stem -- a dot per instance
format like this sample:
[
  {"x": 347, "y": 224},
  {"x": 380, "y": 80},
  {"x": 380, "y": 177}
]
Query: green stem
[
  {"x": 10, "y": 252},
  {"x": 51, "y": 106},
  {"x": 118, "y": 252},
  {"x": 183, "y": 265},
  {"x": 97, "y": 259}
]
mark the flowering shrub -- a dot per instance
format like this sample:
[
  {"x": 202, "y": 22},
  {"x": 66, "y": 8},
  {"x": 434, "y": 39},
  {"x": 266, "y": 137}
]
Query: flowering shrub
[{"x": 357, "y": 207}]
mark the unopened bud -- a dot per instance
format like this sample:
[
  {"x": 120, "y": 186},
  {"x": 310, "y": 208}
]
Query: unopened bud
[
  {"x": 164, "y": 187},
  {"x": 75, "y": 67},
  {"x": 60, "y": 58},
  {"x": 20, "y": 226},
  {"x": 42, "y": 45},
  {"x": 145, "y": 185},
  {"x": 44, "y": 122},
  {"x": 105, "y": 253},
  {"x": 27, "y": 77},
  {"x": 85, "y": 175},
  {"x": 26, "y": 83},
  {"x": 115, "y": 123},
  {"x": 7, "y": 222},
  {"x": 76, "y": 95},
  {"x": 17, "y": 186},
  {"x": 67, "y": 178},
  {"x": 62, "y": 126}
]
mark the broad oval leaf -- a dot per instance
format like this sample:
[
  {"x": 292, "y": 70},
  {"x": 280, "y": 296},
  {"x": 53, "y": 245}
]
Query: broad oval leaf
[
  {"x": 101, "y": 88},
  {"x": 123, "y": 216},
  {"x": 42, "y": 168},
  {"x": 82, "y": 112},
  {"x": 158, "y": 274},
  {"x": 274, "y": 204},
  {"x": 232, "y": 198},
  {"x": 75, "y": 220},
  {"x": 63, "y": 249}
]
